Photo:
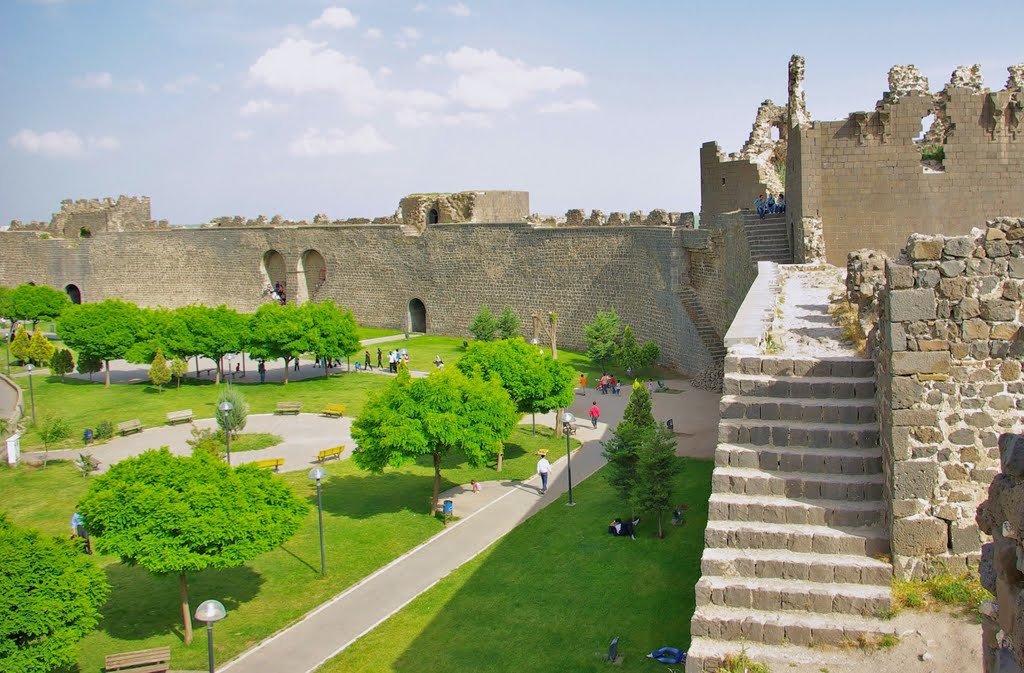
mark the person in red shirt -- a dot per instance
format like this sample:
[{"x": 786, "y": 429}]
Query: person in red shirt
[{"x": 595, "y": 413}]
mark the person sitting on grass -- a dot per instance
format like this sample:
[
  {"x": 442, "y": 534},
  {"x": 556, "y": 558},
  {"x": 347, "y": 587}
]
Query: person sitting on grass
[
  {"x": 679, "y": 515},
  {"x": 621, "y": 528},
  {"x": 668, "y": 655}
]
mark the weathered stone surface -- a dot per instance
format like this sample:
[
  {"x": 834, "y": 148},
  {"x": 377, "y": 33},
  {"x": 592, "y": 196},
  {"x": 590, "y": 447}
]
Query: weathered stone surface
[
  {"x": 918, "y": 536},
  {"x": 906, "y": 392},
  {"x": 910, "y": 305},
  {"x": 924, "y": 248},
  {"x": 915, "y": 479},
  {"x": 920, "y": 363}
]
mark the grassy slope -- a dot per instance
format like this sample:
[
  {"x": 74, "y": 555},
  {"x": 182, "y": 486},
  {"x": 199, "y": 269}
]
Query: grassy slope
[{"x": 552, "y": 594}]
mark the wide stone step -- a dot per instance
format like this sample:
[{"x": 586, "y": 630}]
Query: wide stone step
[
  {"x": 762, "y": 432},
  {"x": 784, "y": 564},
  {"x": 808, "y": 411},
  {"x": 867, "y": 541},
  {"x": 809, "y": 485},
  {"x": 770, "y": 509},
  {"x": 773, "y": 595},
  {"x": 706, "y": 655},
  {"x": 779, "y": 628},
  {"x": 779, "y": 365},
  {"x": 858, "y": 460},
  {"x": 799, "y": 387}
]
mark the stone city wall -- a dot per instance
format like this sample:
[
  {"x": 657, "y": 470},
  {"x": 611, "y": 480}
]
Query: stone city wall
[
  {"x": 377, "y": 270},
  {"x": 85, "y": 217},
  {"x": 949, "y": 352},
  {"x": 727, "y": 182}
]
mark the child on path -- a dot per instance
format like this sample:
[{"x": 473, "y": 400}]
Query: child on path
[
  {"x": 475, "y": 485},
  {"x": 583, "y": 384},
  {"x": 595, "y": 413}
]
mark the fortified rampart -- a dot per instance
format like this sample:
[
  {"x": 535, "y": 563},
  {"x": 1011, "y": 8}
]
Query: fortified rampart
[{"x": 84, "y": 217}]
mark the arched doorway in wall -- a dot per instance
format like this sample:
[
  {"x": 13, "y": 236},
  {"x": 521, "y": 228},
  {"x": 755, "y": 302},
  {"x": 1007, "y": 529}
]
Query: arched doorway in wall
[
  {"x": 417, "y": 316},
  {"x": 74, "y": 294},
  {"x": 274, "y": 274},
  {"x": 432, "y": 216},
  {"x": 313, "y": 270}
]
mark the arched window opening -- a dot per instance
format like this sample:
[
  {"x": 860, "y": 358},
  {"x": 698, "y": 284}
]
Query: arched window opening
[
  {"x": 314, "y": 272},
  {"x": 432, "y": 216},
  {"x": 74, "y": 294},
  {"x": 417, "y": 316},
  {"x": 275, "y": 276}
]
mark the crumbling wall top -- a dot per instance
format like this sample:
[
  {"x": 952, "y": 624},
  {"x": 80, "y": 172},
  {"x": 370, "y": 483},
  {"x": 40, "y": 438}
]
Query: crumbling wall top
[
  {"x": 967, "y": 77},
  {"x": 905, "y": 80}
]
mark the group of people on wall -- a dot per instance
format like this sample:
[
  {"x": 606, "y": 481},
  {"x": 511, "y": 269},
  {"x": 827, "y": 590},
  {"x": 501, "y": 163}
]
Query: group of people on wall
[{"x": 771, "y": 205}]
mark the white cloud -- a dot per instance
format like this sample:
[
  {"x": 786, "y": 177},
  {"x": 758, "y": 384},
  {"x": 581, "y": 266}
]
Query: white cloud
[
  {"x": 262, "y": 106},
  {"x": 300, "y": 66},
  {"x": 373, "y": 34},
  {"x": 407, "y": 36},
  {"x": 181, "y": 84},
  {"x": 459, "y": 9},
  {"x": 490, "y": 81},
  {"x": 335, "y": 17},
  {"x": 94, "y": 80},
  {"x": 413, "y": 118},
  {"x": 316, "y": 143},
  {"x": 242, "y": 135},
  {"x": 63, "y": 144},
  {"x": 385, "y": 71},
  {"x": 429, "y": 59},
  {"x": 578, "y": 105}
]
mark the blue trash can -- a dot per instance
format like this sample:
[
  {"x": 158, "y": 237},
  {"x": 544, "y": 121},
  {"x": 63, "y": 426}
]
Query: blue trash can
[{"x": 448, "y": 506}]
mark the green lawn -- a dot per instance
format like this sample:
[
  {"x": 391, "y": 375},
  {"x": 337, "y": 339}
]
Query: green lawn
[
  {"x": 369, "y": 520},
  {"x": 375, "y": 332},
  {"x": 552, "y": 594},
  {"x": 254, "y": 441}
]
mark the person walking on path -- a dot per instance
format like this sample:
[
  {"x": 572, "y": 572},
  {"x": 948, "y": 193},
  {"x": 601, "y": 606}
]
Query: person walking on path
[
  {"x": 262, "y": 369},
  {"x": 367, "y": 360},
  {"x": 543, "y": 468},
  {"x": 595, "y": 413},
  {"x": 380, "y": 362},
  {"x": 583, "y": 384}
]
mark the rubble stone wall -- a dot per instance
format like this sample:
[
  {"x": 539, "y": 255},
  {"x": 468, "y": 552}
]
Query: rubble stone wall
[{"x": 949, "y": 382}]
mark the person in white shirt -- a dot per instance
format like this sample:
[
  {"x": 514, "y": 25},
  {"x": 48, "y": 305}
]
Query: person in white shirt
[{"x": 543, "y": 467}]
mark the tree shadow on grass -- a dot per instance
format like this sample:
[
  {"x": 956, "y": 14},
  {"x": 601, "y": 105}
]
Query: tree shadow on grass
[
  {"x": 364, "y": 496},
  {"x": 143, "y": 604}
]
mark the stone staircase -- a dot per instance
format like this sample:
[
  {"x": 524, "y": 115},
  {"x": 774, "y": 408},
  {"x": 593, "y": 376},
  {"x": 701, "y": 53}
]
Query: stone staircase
[
  {"x": 709, "y": 336},
  {"x": 795, "y": 520},
  {"x": 768, "y": 239}
]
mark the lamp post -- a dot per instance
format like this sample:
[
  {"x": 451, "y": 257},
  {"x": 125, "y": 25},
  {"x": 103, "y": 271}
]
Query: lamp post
[
  {"x": 31, "y": 391},
  {"x": 318, "y": 473},
  {"x": 536, "y": 342},
  {"x": 210, "y": 612},
  {"x": 230, "y": 372},
  {"x": 7, "y": 342},
  {"x": 225, "y": 409},
  {"x": 567, "y": 420}
]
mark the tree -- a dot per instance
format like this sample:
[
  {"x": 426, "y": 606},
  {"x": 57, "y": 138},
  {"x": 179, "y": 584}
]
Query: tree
[
  {"x": 40, "y": 350},
  {"x": 656, "y": 468},
  {"x": 159, "y": 372},
  {"x": 622, "y": 449},
  {"x": 484, "y": 325},
  {"x": 150, "y": 335},
  {"x": 178, "y": 369},
  {"x": 53, "y": 431},
  {"x": 89, "y": 364},
  {"x": 214, "y": 332},
  {"x": 38, "y": 302},
  {"x": 334, "y": 331},
  {"x": 444, "y": 412},
  {"x": 277, "y": 331},
  {"x": 602, "y": 337},
  {"x": 179, "y": 515},
  {"x": 236, "y": 418},
  {"x": 628, "y": 355},
  {"x": 105, "y": 330},
  {"x": 50, "y": 597},
  {"x": 508, "y": 323},
  {"x": 649, "y": 353},
  {"x": 534, "y": 381},
  {"x": 21, "y": 347},
  {"x": 62, "y": 362}
]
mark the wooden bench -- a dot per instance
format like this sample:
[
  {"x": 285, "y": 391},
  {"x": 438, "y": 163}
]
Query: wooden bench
[
  {"x": 330, "y": 453},
  {"x": 134, "y": 425},
  {"x": 183, "y": 416},
  {"x": 269, "y": 462},
  {"x": 289, "y": 407},
  {"x": 156, "y": 660},
  {"x": 335, "y": 410}
]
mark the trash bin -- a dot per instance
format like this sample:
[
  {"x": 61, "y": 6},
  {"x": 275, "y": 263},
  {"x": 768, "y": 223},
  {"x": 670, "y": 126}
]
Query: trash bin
[
  {"x": 87, "y": 436},
  {"x": 448, "y": 506}
]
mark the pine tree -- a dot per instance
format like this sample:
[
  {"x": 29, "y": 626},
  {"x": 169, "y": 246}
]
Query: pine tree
[
  {"x": 21, "y": 345},
  {"x": 656, "y": 467},
  {"x": 484, "y": 325},
  {"x": 159, "y": 373},
  {"x": 178, "y": 369},
  {"x": 40, "y": 349},
  {"x": 622, "y": 449},
  {"x": 508, "y": 323},
  {"x": 62, "y": 363},
  {"x": 628, "y": 352}
]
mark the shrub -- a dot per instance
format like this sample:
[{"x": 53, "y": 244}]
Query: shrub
[
  {"x": 104, "y": 430},
  {"x": 234, "y": 419},
  {"x": 934, "y": 153},
  {"x": 742, "y": 663}
]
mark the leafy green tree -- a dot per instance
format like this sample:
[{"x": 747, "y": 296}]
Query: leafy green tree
[
  {"x": 178, "y": 369},
  {"x": 622, "y": 449},
  {"x": 89, "y": 364},
  {"x": 334, "y": 333},
  {"x": 180, "y": 515},
  {"x": 236, "y": 418},
  {"x": 215, "y": 332},
  {"x": 53, "y": 431},
  {"x": 159, "y": 372},
  {"x": 150, "y": 335},
  {"x": 50, "y": 598},
  {"x": 62, "y": 362},
  {"x": 534, "y": 381},
  {"x": 40, "y": 349},
  {"x": 508, "y": 323},
  {"x": 649, "y": 353},
  {"x": 628, "y": 352},
  {"x": 484, "y": 325},
  {"x": 38, "y": 302},
  {"x": 656, "y": 468},
  {"x": 21, "y": 347},
  {"x": 602, "y": 337},
  {"x": 105, "y": 330},
  {"x": 433, "y": 416},
  {"x": 277, "y": 331}
]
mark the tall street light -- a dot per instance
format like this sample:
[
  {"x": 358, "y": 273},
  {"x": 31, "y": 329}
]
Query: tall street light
[
  {"x": 230, "y": 372},
  {"x": 7, "y": 341},
  {"x": 567, "y": 421},
  {"x": 318, "y": 473},
  {"x": 210, "y": 612},
  {"x": 31, "y": 391},
  {"x": 225, "y": 410}
]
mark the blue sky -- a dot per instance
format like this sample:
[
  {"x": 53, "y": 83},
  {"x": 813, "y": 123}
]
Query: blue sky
[{"x": 223, "y": 107}]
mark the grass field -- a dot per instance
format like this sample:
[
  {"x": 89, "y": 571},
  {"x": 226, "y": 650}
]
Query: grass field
[
  {"x": 369, "y": 520},
  {"x": 552, "y": 594},
  {"x": 375, "y": 332}
]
